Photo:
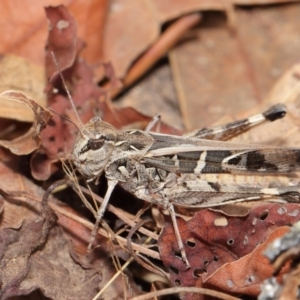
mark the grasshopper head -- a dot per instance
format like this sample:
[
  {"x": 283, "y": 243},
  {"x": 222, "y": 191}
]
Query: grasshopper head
[{"x": 93, "y": 147}]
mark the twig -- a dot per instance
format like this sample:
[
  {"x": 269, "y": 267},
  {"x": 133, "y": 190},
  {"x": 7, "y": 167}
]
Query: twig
[{"x": 176, "y": 290}]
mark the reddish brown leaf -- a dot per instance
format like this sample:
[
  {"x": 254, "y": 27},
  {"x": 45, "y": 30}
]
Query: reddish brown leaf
[
  {"x": 62, "y": 39},
  {"x": 245, "y": 275},
  {"x": 42, "y": 166},
  {"x": 210, "y": 244},
  {"x": 91, "y": 19}
]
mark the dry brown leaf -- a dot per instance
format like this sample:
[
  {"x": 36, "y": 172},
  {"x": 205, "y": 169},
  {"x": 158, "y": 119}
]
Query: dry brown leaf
[
  {"x": 30, "y": 37},
  {"x": 121, "y": 31},
  {"x": 19, "y": 74},
  {"x": 170, "y": 9},
  {"x": 30, "y": 141},
  {"x": 221, "y": 72},
  {"x": 27, "y": 267},
  {"x": 15, "y": 212},
  {"x": 46, "y": 269}
]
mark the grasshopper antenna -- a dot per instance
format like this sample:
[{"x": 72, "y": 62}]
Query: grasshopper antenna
[
  {"x": 64, "y": 117},
  {"x": 69, "y": 96}
]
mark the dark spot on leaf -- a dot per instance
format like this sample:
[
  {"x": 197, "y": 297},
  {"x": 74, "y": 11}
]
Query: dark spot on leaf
[
  {"x": 178, "y": 253},
  {"x": 177, "y": 282},
  {"x": 206, "y": 262},
  {"x": 230, "y": 242},
  {"x": 199, "y": 272},
  {"x": 51, "y": 123},
  {"x": 174, "y": 270},
  {"x": 251, "y": 279},
  {"x": 264, "y": 215},
  {"x": 191, "y": 243}
]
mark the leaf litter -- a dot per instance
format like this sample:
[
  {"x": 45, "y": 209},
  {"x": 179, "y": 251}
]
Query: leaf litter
[{"x": 234, "y": 264}]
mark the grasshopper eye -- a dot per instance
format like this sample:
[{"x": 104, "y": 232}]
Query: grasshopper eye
[
  {"x": 92, "y": 145},
  {"x": 95, "y": 144}
]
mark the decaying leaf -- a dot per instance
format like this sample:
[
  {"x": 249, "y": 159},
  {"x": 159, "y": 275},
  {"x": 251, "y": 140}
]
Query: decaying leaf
[
  {"x": 26, "y": 266},
  {"x": 28, "y": 269},
  {"x": 31, "y": 140},
  {"x": 213, "y": 239},
  {"x": 62, "y": 39},
  {"x": 245, "y": 275}
]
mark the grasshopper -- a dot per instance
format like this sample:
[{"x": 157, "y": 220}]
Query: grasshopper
[
  {"x": 162, "y": 169},
  {"x": 151, "y": 165}
]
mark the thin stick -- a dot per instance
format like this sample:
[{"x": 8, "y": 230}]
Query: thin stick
[{"x": 175, "y": 290}]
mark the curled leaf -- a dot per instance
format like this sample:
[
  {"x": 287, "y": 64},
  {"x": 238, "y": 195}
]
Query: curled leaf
[{"x": 30, "y": 141}]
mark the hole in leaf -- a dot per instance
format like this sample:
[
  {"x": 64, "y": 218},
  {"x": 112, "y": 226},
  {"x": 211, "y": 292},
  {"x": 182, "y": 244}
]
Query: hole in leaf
[
  {"x": 174, "y": 270},
  {"x": 177, "y": 282},
  {"x": 51, "y": 123},
  {"x": 177, "y": 253},
  {"x": 216, "y": 258},
  {"x": 230, "y": 242},
  {"x": 206, "y": 262},
  {"x": 230, "y": 284},
  {"x": 251, "y": 279},
  {"x": 199, "y": 272},
  {"x": 221, "y": 221},
  {"x": 191, "y": 243},
  {"x": 60, "y": 151},
  {"x": 104, "y": 80},
  {"x": 264, "y": 215}
]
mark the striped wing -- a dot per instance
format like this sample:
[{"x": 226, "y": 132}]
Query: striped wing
[{"x": 221, "y": 157}]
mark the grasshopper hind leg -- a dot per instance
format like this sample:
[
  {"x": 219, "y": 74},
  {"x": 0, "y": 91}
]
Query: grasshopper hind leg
[{"x": 228, "y": 131}]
